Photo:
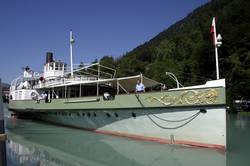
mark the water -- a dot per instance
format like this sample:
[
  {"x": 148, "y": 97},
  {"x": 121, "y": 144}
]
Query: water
[{"x": 37, "y": 143}]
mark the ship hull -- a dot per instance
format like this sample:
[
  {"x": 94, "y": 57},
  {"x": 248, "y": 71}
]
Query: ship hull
[
  {"x": 201, "y": 129},
  {"x": 188, "y": 117}
]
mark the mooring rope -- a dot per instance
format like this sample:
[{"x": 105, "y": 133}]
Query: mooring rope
[
  {"x": 176, "y": 127},
  {"x": 166, "y": 120},
  {"x": 188, "y": 119}
]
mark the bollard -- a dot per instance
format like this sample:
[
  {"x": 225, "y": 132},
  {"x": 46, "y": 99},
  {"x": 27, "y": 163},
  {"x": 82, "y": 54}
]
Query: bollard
[{"x": 2, "y": 130}]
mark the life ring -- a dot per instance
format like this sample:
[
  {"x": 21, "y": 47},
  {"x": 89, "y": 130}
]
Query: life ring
[{"x": 33, "y": 95}]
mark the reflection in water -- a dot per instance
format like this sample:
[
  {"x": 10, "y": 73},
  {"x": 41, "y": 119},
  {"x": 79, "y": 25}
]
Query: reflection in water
[
  {"x": 238, "y": 140},
  {"x": 36, "y": 143}
]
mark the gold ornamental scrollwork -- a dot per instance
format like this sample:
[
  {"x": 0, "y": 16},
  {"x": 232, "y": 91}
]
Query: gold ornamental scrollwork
[{"x": 188, "y": 97}]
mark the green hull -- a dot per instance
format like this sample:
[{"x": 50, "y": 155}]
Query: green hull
[
  {"x": 191, "y": 117},
  {"x": 181, "y": 98}
]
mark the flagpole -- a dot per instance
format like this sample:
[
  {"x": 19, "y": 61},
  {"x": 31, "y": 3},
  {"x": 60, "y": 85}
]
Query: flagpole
[
  {"x": 216, "y": 50},
  {"x": 217, "y": 63},
  {"x": 71, "y": 53}
]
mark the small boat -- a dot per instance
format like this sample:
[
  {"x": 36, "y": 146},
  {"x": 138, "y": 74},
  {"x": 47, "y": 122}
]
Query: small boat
[{"x": 92, "y": 98}]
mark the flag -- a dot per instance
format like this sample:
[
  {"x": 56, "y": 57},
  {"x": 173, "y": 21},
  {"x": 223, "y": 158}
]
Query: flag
[
  {"x": 213, "y": 31},
  {"x": 72, "y": 40}
]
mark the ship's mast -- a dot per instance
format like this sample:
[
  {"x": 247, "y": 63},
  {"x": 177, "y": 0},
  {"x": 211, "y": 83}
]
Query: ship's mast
[{"x": 71, "y": 52}]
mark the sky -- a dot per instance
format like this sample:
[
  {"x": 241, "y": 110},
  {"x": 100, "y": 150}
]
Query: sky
[{"x": 30, "y": 28}]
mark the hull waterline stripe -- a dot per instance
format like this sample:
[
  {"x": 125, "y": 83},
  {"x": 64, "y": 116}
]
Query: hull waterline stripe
[
  {"x": 220, "y": 148},
  {"x": 161, "y": 140}
]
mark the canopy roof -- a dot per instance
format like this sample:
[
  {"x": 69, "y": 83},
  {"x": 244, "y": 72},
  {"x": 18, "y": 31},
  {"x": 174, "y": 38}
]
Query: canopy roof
[{"x": 126, "y": 83}]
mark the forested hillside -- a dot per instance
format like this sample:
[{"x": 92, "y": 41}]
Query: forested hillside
[{"x": 186, "y": 50}]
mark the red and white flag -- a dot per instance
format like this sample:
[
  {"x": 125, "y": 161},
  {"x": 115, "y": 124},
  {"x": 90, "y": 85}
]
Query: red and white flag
[{"x": 213, "y": 31}]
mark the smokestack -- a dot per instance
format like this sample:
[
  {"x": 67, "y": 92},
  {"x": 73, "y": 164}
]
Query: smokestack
[{"x": 49, "y": 57}]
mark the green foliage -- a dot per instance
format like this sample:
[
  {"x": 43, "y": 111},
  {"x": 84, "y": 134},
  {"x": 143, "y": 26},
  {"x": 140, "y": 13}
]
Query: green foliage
[{"x": 185, "y": 49}]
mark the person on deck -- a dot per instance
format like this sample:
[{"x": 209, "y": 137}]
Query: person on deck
[{"x": 139, "y": 87}]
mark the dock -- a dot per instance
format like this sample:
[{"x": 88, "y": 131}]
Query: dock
[{"x": 2, "y": 130}]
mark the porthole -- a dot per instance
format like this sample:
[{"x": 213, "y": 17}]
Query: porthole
[
  {"x": 108, "y": 115},
  {"x": 88, "y": 114},
  {"x": 83, "y": 114},
  {"x": 116, "y": 115},
  {"x": 203, "y": 111},
  {"x": 94, "y": 114},
  {"x": 78, "y": 114},
  {"x": 134, "y": 114},
  {"x": 69, "y": 113}
]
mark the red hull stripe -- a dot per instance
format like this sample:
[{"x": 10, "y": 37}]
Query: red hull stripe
[
  {"x": 220, "y": 148},
  {"x": 159, "y": 140}
]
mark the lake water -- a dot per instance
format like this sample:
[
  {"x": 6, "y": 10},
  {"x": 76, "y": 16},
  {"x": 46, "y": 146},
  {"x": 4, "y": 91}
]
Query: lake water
[{"x": 36, "y": 143}]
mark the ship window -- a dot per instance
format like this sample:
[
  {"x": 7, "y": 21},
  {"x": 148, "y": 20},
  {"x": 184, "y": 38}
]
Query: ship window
[
  {"x": 83, "y": 114},
  {"x": 78, "y": 114},
  {"x": 70, "y": 114},
  {"x": 50, "y": 66},
  {"x": 16, "y": 94},
  {"x": 60, "y": 66},
  {"x": 56, "y": 66},
  {"x": 116, "y": 115},
  {"x": 20, "y": 95},
  {"x": 88, "y": 114},
  {"x": 94, "y": 114},
  {"x": 134, "y": 114}
]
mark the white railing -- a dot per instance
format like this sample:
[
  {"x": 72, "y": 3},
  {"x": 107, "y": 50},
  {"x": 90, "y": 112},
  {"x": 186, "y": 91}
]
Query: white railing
[
  {"x": 90, "y": 72},
  {"x": 63, "y": 81}
]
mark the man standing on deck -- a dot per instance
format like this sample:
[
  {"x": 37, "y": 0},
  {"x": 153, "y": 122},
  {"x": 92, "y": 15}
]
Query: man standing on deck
[{"x": 139, "y": 87}]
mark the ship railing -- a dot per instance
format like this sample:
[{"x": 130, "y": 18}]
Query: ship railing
[
  {"x": 95, "y": 69},
  {"x": 14, "y": 83},
  {"x": 62, "y": 80}
]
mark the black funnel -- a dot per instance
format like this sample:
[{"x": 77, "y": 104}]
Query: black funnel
[{"x": 49, "y": 57}]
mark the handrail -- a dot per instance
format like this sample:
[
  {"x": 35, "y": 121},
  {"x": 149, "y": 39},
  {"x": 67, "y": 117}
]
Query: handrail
[
  {"x": 92, "y": 74},
  {"x": 82, "y": 100},
  {"x": 171, "y": 75},
  {"x": 112, "y": 75}
]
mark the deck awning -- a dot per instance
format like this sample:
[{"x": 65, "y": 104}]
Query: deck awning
[{"x": 128, "y": 84}]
